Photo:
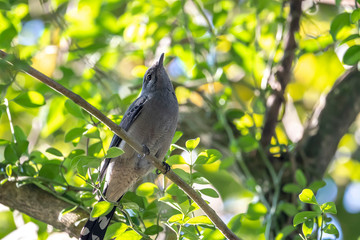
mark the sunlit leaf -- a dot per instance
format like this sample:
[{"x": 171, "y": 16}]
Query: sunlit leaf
[
  {"x": 200, "y": 220},
  {"x": 115, "y": 230},
  {"x": 208, "y": 156},
  {"x": 341, "y": 20},
  {"x": 114, "y": 152},
  {"x": 30, "y": 99},
  {"x": 68, "y": 210},
  {"x": 329, "y": 207},
  {"x": 146, "y": 189},
  {"x": 256, "y": 210},
  {"x": 101, "y": 208},
  {"x": 192, "y": 144},
  {"x": 331, "y": 229},
  {"x": 307, "y": 227},
  {"x": 307, "y": 196},
  {"x": 175, "y": 159}
]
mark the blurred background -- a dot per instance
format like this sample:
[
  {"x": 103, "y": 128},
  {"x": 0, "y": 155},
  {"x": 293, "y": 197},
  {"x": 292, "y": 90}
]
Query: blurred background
[{"x": 219, "y": 55}]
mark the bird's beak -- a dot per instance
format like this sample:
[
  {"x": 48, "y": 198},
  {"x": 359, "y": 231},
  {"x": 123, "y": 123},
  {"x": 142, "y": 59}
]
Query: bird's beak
[{"x": 161, "y": 60}]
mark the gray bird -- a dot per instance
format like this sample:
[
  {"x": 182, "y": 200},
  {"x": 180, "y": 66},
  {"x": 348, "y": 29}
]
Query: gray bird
[{"x": 151, "y": 119}]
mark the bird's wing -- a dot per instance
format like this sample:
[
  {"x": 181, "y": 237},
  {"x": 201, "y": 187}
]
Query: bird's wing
[{"x": 128, "y": 119}]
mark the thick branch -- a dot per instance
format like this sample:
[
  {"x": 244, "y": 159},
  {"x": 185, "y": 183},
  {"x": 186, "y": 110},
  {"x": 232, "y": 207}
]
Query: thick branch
[
  {"x": 134, "y": 144},
  {"x": 329, "y": 122},
  {"x": 42, "y": 205},
  {"x": 282, "y": 75}
]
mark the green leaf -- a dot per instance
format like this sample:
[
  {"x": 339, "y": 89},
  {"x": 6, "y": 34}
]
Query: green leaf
[
  {"x": 7, "y": 36},
  {"x": 328, "y": 207},
  {"x": 235, "y": 222},
  {"x": 176, "y": 137},
  {"x": 101, "y": 208},
  {"x": 307, "y": 196},
  {"x": 3, "y": 181},
  {"x": 179, "y": 218},
  {"x": 349, "y": 38},
  {"x": 307, "y": 227},
  {"x": 54, "y": 151},
  {"x": 93, "y": 132},
  {"x": 232, "y": 114},
  {"x": 74, "y": 134},
  {"x": 331, "y": 229},
  {"x": 192, "y": 144},
  {"x": 184, "y": 175},
  {"x": 131, "y": 205},
  {"x": 352, "y": 55},
  {"x": 338, "y": 23},
  {"x": 199, "y": 180},
  {"x": 300, "y": 178},
  {"x": 10, "y": 153},
  {"x": 115, "y": 230},
  {"x": 256, "y": 210},
  {"x": 146, "y": 189},
  {"x": 292, "y": 188},
  {"x": 50, "y": 170},
  {"x": 114, "y": 152},
  {"x": 288, "y": 208},
  {"x": 30, "y": 99},
  {"x": 19, "y": 134},
  {"x": 95, "y": 148},
  {"x": 209, "y": 192},
  {"x": 4, "y": 5},
  {"x": 67, "y": 210},
  {"x": 130, "y": 235},
  {"x": 74, "y": 109},
  {"x": 175, "y": 159},
  {"x": 304, "y": 216},
  {"x": 248, "y": 143},
  {"x": 208, "y": 156},
  {"x": 284, "y": 232},
  {"x": 355, "y": 16},
  {"x": 154, "y": 229},
  {"x": 85, "y": 162},
  {"x": 8, "y": 170},
  {"x": 200, "y": 220},
  {"x": 316, "y": 185}
]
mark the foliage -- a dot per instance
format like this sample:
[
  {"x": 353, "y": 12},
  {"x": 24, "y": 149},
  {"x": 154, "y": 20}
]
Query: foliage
[{"x": 220, "y": 56}]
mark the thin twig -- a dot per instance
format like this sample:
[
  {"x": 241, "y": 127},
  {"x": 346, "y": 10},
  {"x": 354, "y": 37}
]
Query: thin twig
[{"x": 133, "y": 143}]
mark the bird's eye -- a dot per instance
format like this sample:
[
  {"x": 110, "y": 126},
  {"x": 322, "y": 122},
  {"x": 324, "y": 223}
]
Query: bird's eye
[{"x": 148, "y": 77}]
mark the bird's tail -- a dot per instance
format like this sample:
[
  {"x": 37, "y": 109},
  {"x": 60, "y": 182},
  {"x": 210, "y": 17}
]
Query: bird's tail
[{"x": 95, "y": 228}]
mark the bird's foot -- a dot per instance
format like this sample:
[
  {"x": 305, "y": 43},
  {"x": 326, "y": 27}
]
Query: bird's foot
[
  {"x": 146, "y": 150},
  {"x": 167, "y": 168}
]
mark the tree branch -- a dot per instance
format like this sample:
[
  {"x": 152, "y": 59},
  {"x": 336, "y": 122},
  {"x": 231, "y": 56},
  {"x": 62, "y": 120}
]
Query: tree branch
[
  {"x": 282, "y": 75},
  {"x": 42, "y": 205},
  {"x": 328, "y": 124},
  {"x": 134, "y": 144}
]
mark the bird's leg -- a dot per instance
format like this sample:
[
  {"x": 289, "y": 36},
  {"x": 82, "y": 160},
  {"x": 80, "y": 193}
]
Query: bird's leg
[{"x": 166, "y": 166}]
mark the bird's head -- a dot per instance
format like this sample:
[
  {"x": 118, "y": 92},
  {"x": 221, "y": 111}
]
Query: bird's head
[{"x": 156, "y": 78}]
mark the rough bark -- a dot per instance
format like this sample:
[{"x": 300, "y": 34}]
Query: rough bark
[
  {"x": 328, "y": 124},
  {"x": 43, "y": 206}
]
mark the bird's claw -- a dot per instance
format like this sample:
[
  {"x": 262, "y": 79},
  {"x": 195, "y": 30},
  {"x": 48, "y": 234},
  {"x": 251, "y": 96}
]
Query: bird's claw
[
  {"x": 146, "y": 150},
  {"x": 166, "y": 166}
]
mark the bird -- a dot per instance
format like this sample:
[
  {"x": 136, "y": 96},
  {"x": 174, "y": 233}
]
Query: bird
[{"x": 151, "y": 120}]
